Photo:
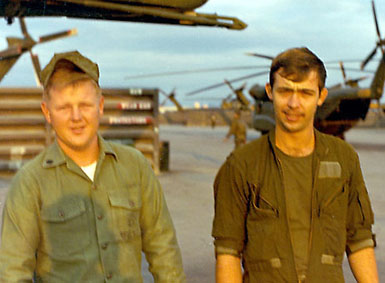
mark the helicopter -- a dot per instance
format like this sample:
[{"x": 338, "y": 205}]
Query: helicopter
[
  {"x": 172, "y": 97},
  {"x": 241, "y": 101},
  {"x": 176, "y": 12},
  {"x": 345, "y": 104},
  {"x": 343, "y": 108},
  {"x": 18, "y": 46}
]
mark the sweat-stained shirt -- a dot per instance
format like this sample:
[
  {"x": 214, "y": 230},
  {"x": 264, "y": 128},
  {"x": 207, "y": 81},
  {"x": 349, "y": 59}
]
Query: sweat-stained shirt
[{"x": 59, "y": 223}]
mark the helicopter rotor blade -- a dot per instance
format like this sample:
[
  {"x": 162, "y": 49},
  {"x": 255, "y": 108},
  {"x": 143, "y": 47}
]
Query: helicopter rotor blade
[
  {"x": 344, "y": 60},
  {"x": 57, "y": 35},
  {"x": 23, "y": 27},
  {"x": 242, "y": 87},
  {"x": 343, "y": 70},
  {"x": 36, "y": 67},
  {"x": 379, "y": 42},
  {"x": 229, "y": 85},
  {"x": 172, "y": 93},
  {"x": 260, "y": 55},
  {"x": 351, "y": 69},
  {"x": 206, "y": 70},
  {"x": 35, "y": 62},
  {"x": 229, "y": 96},
  {"x": 164, "y": 101},
  {"x": 363, "y": 64},
  {"x": 163, "y": 92},
  {"x": 334, "y": 87},
  {"x": 167, "y": 95},
  {"x": 355, "y": 81},
  {"x": 231, "y": 81},
  {"x": 376, "y": 21},
  {"x": 377, "y": 28},
  {"x": 12, "y": 51}
]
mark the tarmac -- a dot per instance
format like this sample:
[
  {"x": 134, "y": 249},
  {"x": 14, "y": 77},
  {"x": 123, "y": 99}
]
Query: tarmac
[{"x": 196, "y": 153}]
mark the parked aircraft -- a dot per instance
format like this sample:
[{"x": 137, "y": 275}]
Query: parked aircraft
[
  {"x": 176, "y": 12},
  {"x": 18, "y": 46}
]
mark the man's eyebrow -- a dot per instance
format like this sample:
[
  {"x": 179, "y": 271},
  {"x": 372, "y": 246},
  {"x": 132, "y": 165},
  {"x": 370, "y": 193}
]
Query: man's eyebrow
[
  {"x": 282, "y": 88},
  {"x": 287, "y": 88},
  {"x": 307, "y": 90}
]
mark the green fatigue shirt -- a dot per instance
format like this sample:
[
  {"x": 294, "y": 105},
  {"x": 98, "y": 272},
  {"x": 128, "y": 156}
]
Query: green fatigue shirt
[
  {"x": 66, "y": 228},
  {"x": 251, "y": 213},
  {"x": 238, "y": 130}
]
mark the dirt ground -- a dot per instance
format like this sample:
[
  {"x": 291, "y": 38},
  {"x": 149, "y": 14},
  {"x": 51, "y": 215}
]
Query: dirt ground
[{"x": 196, "y": 153}]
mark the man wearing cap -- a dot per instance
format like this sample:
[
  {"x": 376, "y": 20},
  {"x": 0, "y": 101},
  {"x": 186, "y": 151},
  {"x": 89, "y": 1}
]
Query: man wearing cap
[{"x": 84, "y": 209}]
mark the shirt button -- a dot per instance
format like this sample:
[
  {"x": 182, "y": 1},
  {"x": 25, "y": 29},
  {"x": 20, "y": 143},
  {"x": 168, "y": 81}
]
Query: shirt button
[
  {"x": 109, "y": 276},
  {"x": 104, "y": 246},
  {"x": 100, "y": 217}
]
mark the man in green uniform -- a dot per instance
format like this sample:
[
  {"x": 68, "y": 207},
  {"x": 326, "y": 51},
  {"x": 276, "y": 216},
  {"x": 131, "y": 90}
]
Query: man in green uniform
[
  {"x": 85, "y": 209},
  {"x": 290, "y": 204},
  {"x": 237, "y": 129}
]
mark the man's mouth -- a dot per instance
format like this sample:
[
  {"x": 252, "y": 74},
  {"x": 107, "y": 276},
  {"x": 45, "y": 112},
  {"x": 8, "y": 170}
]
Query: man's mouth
[
  {"x": 77, "y": 130},
  {"x": 293, "y": 116}
]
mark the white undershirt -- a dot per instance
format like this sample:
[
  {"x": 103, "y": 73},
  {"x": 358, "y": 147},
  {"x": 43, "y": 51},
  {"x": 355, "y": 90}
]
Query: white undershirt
[{"x": 90, "y": 170}]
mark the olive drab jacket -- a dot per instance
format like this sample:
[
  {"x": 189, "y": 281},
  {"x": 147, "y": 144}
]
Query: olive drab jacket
[
  {"x": 251, "y": 219},
  {"x": 66, "y": 228}
]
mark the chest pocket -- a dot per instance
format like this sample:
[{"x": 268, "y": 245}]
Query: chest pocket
[
  {"x": 65, "y": 227},
  {"x": 125, "y": 209},
  {"x": 333, "y": 214},
  {"x": 261, "y": 225}
]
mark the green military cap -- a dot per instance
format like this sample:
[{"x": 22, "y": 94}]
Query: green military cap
[{"x": 85, "y": 65}]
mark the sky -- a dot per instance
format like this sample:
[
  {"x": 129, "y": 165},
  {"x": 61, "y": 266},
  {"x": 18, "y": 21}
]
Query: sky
[{"x": 334, "y": 30}]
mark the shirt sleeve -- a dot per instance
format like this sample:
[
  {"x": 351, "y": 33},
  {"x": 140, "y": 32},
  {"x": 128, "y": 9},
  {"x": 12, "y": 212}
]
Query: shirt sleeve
[
  {"x": 231, "y": 202},
  {"x": 20, "y": 232},
  {"x": 360, "y": 214},
  {"x": 158, "y": 234}
]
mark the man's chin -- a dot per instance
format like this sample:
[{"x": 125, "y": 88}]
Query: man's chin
[
  {"x": 74, "y": 144},
  {"x": 292, "y": 127}
]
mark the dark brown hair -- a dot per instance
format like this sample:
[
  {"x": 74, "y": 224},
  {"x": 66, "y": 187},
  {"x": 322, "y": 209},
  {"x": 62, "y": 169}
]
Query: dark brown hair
[{"x": 295, "y": 64}]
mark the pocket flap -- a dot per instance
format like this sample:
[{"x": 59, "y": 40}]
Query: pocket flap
[
  {"x": 124, "y": 199},
  {"x": 63, "y": 211}
]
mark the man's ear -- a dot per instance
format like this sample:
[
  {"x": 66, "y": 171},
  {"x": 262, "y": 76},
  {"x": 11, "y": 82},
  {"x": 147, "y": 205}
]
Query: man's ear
[
  {"x": 322, "y": 96},
  {"x": 101, "y": 105},
  {"x": 46, "y": 112},
  {"x": 269, "y": 91}
]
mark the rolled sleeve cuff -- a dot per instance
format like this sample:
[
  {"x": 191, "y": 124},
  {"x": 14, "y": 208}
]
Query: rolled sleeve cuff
[
  {"x": 356, "y": 246},
  {"x": 227, "y": 246},
  {"x": 226, "y": 251}
]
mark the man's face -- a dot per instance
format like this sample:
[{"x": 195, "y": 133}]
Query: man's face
[
  {"x": 74, "y": 112},
  {"x": 295, "y": 103}
]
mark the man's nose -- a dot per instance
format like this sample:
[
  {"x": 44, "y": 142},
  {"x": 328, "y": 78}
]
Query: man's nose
[
  {"x": 76, "y": 113},
  {"x": 294, "y": 100}
]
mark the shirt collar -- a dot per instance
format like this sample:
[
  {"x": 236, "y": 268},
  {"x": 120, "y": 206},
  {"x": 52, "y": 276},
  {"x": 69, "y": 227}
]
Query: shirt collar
[
  {"x": 55, "y": 156},
  {"x": 320, "y": 148}
]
